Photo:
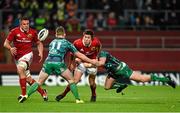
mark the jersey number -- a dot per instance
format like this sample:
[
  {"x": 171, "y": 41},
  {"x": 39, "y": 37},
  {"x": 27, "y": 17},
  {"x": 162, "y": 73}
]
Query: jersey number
[{"x": 56, "y": 45}]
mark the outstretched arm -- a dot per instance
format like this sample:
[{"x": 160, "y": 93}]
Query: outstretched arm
[
  {"x": 40, "y": 50},
  {"x": 102, "y": 61},
  {"x": 85, "y": 58}
]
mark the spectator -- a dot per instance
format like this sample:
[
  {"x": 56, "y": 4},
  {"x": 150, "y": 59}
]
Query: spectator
[
  {"x": 34, "y": 6},
  {"x": 100, "y": 22},
  {"x": 111, "y": 21},
  {"x": 48, "y": 5},
  {"x": 90, "y": 22},
  {"x": 6, "y": 4},
  {"x": 71, "y": 8},
  {"x": 73, "y": 24},
  {"x": 24, "y": 5}
]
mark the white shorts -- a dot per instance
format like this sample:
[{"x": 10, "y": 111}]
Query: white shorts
[
  {"x": 89, "y": 71},
  {"x": 28, "y": 60}
]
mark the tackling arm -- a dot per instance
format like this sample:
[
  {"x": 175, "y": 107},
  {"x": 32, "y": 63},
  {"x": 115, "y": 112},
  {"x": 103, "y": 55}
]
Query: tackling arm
[
  {"x": 101, "y": 61},
  {"x": 85, "y": 58}
]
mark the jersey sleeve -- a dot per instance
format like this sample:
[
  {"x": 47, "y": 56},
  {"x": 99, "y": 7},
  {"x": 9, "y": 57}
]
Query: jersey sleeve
[
  {"x": 11, "y": 35},
  {"x": 102, "y": 54},
  {"x": 35, "y": 36},
  {"x": 99, "y": 45},
  {"x": 72, "y": 48}
]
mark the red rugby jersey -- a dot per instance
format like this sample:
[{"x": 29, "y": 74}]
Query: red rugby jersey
[
  {"x": 22, "y": 41},
  {"x": 91, "y": 51}
]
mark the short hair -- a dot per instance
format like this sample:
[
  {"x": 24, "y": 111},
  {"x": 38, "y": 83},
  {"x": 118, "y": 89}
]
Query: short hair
[
  {"x": 60, "y": 30},
  {"x": 89, "y": 32},
  {"x": 24, "y": 18}
]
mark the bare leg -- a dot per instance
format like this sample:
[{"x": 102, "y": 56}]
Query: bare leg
[{"x": 137, "y": 76}]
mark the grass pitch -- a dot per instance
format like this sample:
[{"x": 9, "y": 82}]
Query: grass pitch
[{"x": 135, "y": 99}]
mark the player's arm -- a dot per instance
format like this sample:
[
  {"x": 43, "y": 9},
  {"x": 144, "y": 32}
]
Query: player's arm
[
  {"x": 101, "y": 61},
  {"x": 40, "y": 49},
  {"x": 7, "y": 45},
  {"x": 85, "y": 58},
  {"x": 71, "y": 62}
]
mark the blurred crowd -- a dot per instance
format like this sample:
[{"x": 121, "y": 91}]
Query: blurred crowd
[{"x": 99, "y": 15}]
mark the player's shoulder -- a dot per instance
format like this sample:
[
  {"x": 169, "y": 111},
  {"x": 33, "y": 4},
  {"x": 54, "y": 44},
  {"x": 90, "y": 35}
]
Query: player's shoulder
[
  {"x": 77, "y": 41},
  {"x": 15, "y": 29},
  {"x": 96, "y": 40},
  {"x": 33, "y": 30}
]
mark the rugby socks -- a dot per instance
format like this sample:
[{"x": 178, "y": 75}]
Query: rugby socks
[
  {"x": 154, "y": 77},
  {"x": 33, "y": 88},
  {"x": 66, "y": 90},
  {"x": 93, "y": 90},
  {"x": 40, "y": 90},
  {"x": 74, "y": 90},
  {"x": 117, "y": 85},
  {"x": 22, "y": 82}
]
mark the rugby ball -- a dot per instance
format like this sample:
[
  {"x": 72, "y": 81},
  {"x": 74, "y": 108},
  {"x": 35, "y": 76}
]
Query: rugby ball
[{"x": 43, "y": 33}]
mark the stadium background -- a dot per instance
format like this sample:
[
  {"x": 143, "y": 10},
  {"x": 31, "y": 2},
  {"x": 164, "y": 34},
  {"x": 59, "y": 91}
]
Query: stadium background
[{"x": 143, "y": 33}]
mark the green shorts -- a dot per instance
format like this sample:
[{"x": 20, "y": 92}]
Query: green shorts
[
  {"x": 56, "y": 68},
  {"x": 122, "y": 70}
]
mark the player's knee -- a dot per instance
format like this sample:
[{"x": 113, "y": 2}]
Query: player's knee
[
  {"x": 71, "y": 81},
  {"x": 20, "y": 70},
  {"x": 22, "y": 65}
]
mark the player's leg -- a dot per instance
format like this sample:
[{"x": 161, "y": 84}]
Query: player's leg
[
  {"x": 137, "y": 76},
  {"x": 68, "y": 76},
  {"x": 31, "y": 81},
  {"x": 92, "y": 85},
  {"x": 21, "y": 67},
  {"x": 92, "y": 75},
  {"x": 77, "y": 77},
  {"x": 42, "y": 78},
  {"x": 111, "y": 84}
]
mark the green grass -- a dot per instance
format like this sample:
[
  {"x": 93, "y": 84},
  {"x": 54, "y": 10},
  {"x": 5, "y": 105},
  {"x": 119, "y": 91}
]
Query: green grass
[{"x": 135, "y": 99}]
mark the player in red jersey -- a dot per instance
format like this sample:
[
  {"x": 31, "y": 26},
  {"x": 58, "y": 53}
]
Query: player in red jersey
[
  {"x": 23, "y": 38},
  {"x": 89, "y": 46}
]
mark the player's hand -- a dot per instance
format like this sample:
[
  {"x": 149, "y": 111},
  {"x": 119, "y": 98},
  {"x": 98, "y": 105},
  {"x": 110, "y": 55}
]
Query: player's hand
[
  {"x": 13, "y": 51},
  {"x": 41, "y": 57},
  {"x": 95, "y": 62}
]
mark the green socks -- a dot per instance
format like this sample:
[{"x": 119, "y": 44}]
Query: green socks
[
  {"x": 33, "y": 88},
  {"x": 74, "y": 90},
  {"x": 154, "y": 77}
]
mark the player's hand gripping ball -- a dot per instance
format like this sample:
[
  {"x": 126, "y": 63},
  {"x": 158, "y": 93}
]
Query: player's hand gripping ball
[{"x": 43, "y": 34}]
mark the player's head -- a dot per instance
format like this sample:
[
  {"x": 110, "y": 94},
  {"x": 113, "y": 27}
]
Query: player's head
[
  {"x": 24, "y": 24},
  {"x": 60, "y": 32},
  {"x": 88, "y": 36}
]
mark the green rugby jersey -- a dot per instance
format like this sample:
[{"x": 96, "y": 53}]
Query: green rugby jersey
[
  {"x": 111, "y": 63},
  {"x": 58, "y": 49}
]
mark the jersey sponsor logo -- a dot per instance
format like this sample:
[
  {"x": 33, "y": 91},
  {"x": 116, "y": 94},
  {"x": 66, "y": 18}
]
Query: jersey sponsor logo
[
  {"x": 29, "y": 35},
  {"x": 18, "y": 35},
  {"x": 81, "y": 50},
  {"x": 23, "y": 40}
]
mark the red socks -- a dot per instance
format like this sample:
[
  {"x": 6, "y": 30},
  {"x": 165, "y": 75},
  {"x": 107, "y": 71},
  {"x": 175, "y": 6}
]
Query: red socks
[{"x": 22, "y": 82}]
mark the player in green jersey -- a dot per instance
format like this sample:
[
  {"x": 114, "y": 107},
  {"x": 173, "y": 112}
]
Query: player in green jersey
[
  {"x": 117, "y": 68},
  {"x": 54, "y": 63}
]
